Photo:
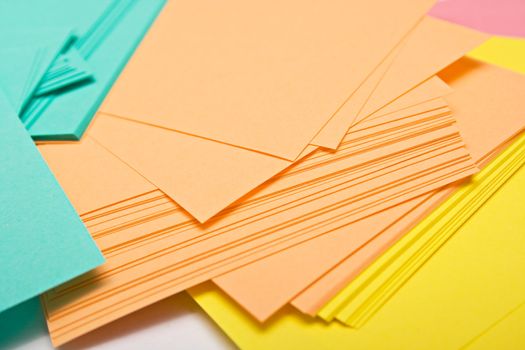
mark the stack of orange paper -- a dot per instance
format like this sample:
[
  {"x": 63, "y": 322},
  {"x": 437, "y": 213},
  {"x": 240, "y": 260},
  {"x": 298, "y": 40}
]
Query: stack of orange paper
[
  {"x": 274, "y": 148},
  {"x": 308, "y": 286}
]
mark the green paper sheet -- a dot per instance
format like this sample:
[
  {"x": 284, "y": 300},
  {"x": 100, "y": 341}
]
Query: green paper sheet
[{"x": 43, "y": 242}]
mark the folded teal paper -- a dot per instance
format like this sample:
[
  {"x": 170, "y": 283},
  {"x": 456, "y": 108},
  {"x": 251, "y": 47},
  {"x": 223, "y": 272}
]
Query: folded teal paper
[
  {"x": 43, "y": 242},
  {"x": 67, "y": 71},
  {"x": 108, "y": 33},
  {"x": 26, "y": 57}
]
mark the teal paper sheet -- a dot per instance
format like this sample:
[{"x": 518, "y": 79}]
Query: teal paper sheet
[
  {"x": 43, "y": 242},
  {"x": 20, "y": 325},
  {"x": 108, "y": 33}
]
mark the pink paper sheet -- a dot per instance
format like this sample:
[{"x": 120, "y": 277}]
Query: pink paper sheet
[{"x": 499, "y": 17}]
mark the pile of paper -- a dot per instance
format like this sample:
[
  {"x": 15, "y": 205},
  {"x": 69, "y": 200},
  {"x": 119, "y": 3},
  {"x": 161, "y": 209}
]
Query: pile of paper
[
  {"x": 293, "y": 153},
  {"x": 477, "y": 273},
  {"x": 470, "y": 276}
]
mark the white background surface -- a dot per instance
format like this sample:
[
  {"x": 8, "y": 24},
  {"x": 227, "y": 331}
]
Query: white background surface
[{"x": 174, "y": 323}]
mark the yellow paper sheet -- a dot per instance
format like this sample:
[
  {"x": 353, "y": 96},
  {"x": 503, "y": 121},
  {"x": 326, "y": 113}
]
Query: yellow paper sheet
[
  {"x": 364, "y": 296},
  {"x": 504, "y": 52},
  {"x": 506, "y": 333}
]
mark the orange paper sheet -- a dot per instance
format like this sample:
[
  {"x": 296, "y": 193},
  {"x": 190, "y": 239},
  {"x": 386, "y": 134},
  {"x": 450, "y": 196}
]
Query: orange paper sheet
[
  {"x": 294, "y": 63},
  {"x": 92, "y": 176}
]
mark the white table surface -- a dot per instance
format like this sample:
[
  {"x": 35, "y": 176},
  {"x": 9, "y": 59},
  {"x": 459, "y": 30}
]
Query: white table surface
[{"x": 174, "y": 323}]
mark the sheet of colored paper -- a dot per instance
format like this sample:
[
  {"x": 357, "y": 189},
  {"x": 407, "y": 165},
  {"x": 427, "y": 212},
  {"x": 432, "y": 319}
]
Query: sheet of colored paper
[
  {"x": 362, "y": 298},
  {"x": 79, "y": 162},
  {"x": 44, "y": 243},
  {"x": 439, "y": 302},
  {"x": 293, "y": 63},
  {"x": 20, "y": 76},
  {"x": 502, "y": 17},
  {"x": 488, "y": 93},
  {"x": 504, "y": 52},
  {"x": 184, "y": 164},
  {"x": 505, "y": 333}
]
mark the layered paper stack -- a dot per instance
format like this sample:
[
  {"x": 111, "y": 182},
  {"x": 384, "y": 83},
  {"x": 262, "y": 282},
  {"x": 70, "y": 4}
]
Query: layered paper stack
[
  {"x": 469, "y": 276},
  {"x": 307, "y": 159}
]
